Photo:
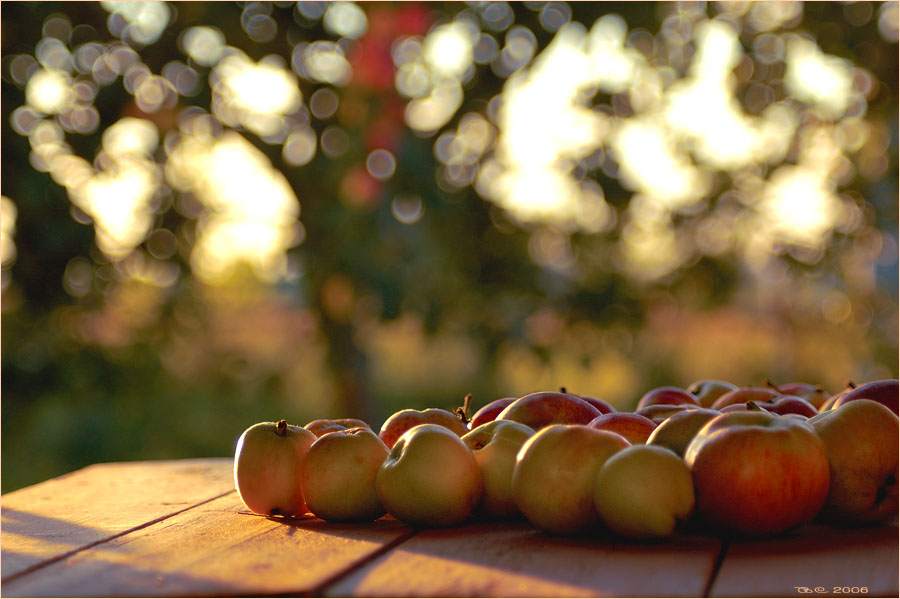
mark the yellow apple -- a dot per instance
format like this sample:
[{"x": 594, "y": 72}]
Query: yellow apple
[
  {"x": 861, "y": 439},
  {"x": 430, "y": 478},
  {"x": 338, "y": 476},
  {"x": 268, "y": 460},
  {"x": 643, "y": 492},
  {"x": 495, "y": 445},
  {"x": 553, "y": 479}
]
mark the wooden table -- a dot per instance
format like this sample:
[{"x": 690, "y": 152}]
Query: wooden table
[{"x": 177, "y": 528}]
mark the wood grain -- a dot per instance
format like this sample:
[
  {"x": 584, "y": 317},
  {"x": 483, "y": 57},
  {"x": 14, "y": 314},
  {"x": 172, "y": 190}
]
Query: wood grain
[
  {"x": 516, "y": 560},
  {"x": 53, "y": 518},
  {"x": 215, "y": 549},
  {"x": 836, "y": 560}
]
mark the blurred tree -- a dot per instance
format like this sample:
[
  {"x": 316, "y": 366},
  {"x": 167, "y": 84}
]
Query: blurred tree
[{"x": 218, "y": 213}]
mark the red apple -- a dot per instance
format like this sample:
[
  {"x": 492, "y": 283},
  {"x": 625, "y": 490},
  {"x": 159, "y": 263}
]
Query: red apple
[
  {"x": 884, "y": 392},
  {"x": 860, "y": 440},
  {"x": 789, "y": 404},
  {"x": 489, "y": 412},
  {"x": 400, "y": 422},
  {"x": 327, "y": 425},
  {"x": 660, "y": 412},
  {"x": 603, "y": 406},
  {"x": 634, "y": 427},
  {"x": 814, "y": 394},
  {"x": 541, "y": 409},
  {"x": 742, "y": 407},
  {"x": 743, "y": 395},
  {"x": 709, "y": 390},
  {"x": 757, "y": 473},
  {"x": 667, "y": 395}
]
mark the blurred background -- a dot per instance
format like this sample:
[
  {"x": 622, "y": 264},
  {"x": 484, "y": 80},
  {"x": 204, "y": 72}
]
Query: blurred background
[{"x": 219, "y": 213}]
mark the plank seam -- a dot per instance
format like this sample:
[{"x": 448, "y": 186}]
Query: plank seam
[
  {"x": 720, "y": 559},
  {"x": 67, "y": 554},
  {"x": 319, "y": 591}
]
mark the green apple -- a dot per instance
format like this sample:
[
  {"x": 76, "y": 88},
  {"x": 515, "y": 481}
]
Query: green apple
[
  {"x": 338, "y": 476},
  {"x": 676, "y": 431},
  {"x": 430, "y": 478},
  {"x": 495, "y": 445},
  {"x": 553, "y": 479},
  {"x": 644, "y": 492},
  {"x": 861, "y": 439},
  {"x": 268, "y": 460}
]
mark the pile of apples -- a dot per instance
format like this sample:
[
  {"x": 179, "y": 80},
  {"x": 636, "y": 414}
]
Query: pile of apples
[{"x": 745, "y": 461}]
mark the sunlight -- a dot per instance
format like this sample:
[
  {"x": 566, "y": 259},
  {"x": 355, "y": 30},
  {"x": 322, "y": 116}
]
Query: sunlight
[
  {"x": 118, "y": 200},
  {"x": 49, "y": 91},
  {"x": 250, "y": 212},
  {"x": 814, "y": 77},
  {"x": 704, "y": 109},
  {"x": 448, "y": 50},
  {"x": 255, "y": 95},
  {"x": 7, "y": 232},
  {"x": 650, "y": 162},
  {"x": 145, "y": 20}
]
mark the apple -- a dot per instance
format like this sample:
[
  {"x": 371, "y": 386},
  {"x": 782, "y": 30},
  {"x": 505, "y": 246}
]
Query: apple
[
  {"x": 644, "y": 492},
  {"x": 676, "y": 432},
  {"x": 660, "y": 412},
  {"x": 789, "y": 404},
  {"x": 743, "y": 395},
  {"x": 489, "y": 411},
  {"x": 814, "y": 394},
  {"x": 268, "y": 461},
  {"x": 860, "y": 439},
  {"x": 541, "y": 409},
  {"x": 338, "y": 477},
  {"x": 495, "y": 445},
  {"x": 400, "y": 422},
  {"x": 884, "y": 392},
  {"x": 326, "y": 425},
  {"x": 430, "y": 478},
  {"x": 667, "y": 395},
  {"x": 743, "y": 407},
  {"x": 604, "y": 406},
  {"x": 634, "y": 427},
  {"x": 756, "y": 473},
  {"x": 553, "y": 479},
  {"x": 708, "y": 391}
]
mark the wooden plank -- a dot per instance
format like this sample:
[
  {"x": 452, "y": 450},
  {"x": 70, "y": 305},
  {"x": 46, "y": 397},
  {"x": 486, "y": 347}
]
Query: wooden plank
[
  {"x": 43, "y": 522},
  {"x": 817, "y": 560},
  {"x": 215, "y": 549},
  {"x": 516, "y": 560}
]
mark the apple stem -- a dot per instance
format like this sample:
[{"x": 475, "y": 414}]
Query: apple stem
[
  {"x": 773, "y": 386},
  {"x": 851, "y": 384},
  {"x": 281, "y": 427},
  {"x": 752, "y": 406},
  {"x": 562, "y": 390},
  {"x": 463, "y": 410}
]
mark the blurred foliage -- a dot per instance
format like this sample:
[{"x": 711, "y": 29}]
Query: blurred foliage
[{"x": 373, "y": 243}]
